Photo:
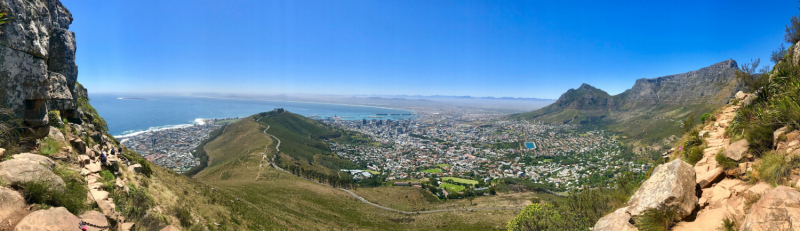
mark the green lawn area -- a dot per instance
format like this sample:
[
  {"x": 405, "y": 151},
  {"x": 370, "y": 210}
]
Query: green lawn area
[
  {"x": 433, "y": 170},
  {"x": 459, "y": 180},
  {"x": 442, "y": 165},
  {"x": 373, "y": 172},
  {"x": 452, "y": 187}
]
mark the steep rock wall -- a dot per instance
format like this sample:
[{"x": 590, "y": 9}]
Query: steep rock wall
[{"x": 37, "y": 60}]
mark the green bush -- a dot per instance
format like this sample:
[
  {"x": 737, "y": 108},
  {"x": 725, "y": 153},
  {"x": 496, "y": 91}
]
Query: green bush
[
  {"x": 184, "y": 216},
  {"x": 73, "y": 197},
  {"x": 729, "y": 224},
  {"x": 774, "y": 168},
  {"x": 725, "y": 162},
  {"x": 704, "y": 117},
  {"x": 108, "y": 180},
  {"x": 660, "y": 218},
  {"x": 146, "y": 169},
  {"x": 578, "y": 211},
  {"x": 49, "y": 146},
  {"x": 693, "y": 154},
  {"x": 759, "y": 138}
]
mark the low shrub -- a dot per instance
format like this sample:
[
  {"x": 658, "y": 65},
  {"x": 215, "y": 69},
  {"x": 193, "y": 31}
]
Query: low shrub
[
  {"x": 184, "y": 216},
  {"x": 704, "y": 117},
  {"x": 729, "y": 224},
  {"x": 693, "y": 154},
  {"x": 108, "y": 180},
  {"x": 49, "y": 146},
  {"x": 775, "y": 169},
  {"x": 759, "y": 138},
  {"x": 660, "y": 218},
  {"x": 725, "y": 162},
  {"x": 73, "y": 197}
]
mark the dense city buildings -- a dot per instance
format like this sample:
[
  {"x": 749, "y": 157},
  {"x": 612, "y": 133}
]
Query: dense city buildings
[
  {"x": 172, "y": 148},
  {"x": 485, "y": 147}
]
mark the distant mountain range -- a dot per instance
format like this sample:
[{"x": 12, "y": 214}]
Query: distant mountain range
[{"x": 652, "y": 107}]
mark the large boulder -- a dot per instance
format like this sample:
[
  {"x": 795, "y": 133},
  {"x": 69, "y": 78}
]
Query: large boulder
[
  {"x": 55, "y": 219},
  {"x": 672, "y": 185},
  {"x": 778, "y": 209},
  {"x": 19, "y": 171},
  {"x": 736, "y": 150},
  {"x": 616, "y": 221},
  {"x": 36, "y": 158},
  {"x": 11, "y": 203}
]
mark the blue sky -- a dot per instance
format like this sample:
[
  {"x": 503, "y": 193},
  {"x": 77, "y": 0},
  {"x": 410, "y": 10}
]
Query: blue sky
[{"x": 479, "y": 48}]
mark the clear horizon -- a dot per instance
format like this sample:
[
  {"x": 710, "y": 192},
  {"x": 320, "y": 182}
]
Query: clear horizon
[{"x": 476, "y": 48}]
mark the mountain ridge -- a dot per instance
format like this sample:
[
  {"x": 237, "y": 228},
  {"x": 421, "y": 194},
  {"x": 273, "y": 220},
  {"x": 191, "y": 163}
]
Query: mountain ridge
[{"x": 656, "y": 103}]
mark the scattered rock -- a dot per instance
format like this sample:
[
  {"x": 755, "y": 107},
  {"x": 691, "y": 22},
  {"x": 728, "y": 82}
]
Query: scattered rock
[
  {"x": 750, "y": 98},
  {"x": 94, "y": 167},
  {"x": 778, "y": 209},
  {"x": 35, "y": 158},
  {"x": 170, "y": 228},
  {"x": 78, "y": 144},
  {"x": 702, "y": 134},
  {"x": 777, "y": 134},
  {"x": 736, "y": 150},
  {"x": 95, "y": 218},
  {"x": 616, "y": 221},
  {"x": 671, "y": 184},
  {"x": 126, "y": 226},
  {"x": 2, "y": 151},
  {"x": 740, "y": 95},
  {"x": 757, "y": 190},
  {"x": 11, "y": 203},
  {"x": 83, "y": 160},
  {"x": 18, "y": 171},
  {"x": 135, "y": 168},
  {"x": 56, "y": 135},
  {"x": 55, "y": 219}
]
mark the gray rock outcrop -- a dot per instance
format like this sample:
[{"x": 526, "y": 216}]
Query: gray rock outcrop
[
  {"x": 17, "y": 171},
  {"x": 672, "y": 185},
  {"x": 37, "y": 60}
]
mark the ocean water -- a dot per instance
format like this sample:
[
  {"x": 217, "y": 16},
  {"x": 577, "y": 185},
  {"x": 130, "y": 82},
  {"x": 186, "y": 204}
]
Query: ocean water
[{"x": 127, "y": 117}]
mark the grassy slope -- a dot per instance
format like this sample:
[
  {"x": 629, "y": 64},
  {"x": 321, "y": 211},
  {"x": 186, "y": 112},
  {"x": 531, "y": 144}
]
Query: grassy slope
[{"x": 278, "y": 200}]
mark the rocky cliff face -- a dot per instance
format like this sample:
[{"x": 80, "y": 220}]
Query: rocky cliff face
[
  {"x": 698, "y": 86},
  {"x": 694, "y": 87},
  {"x": 37, "y": 60}
]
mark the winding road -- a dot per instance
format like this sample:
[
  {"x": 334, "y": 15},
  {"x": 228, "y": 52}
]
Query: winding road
[{"x": 277, "y": 150}]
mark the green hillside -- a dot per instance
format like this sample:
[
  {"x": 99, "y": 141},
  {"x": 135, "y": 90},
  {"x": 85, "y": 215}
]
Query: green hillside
[
  {"x": 274, "y": 199},
  {"x": 305, "y": 142}
]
